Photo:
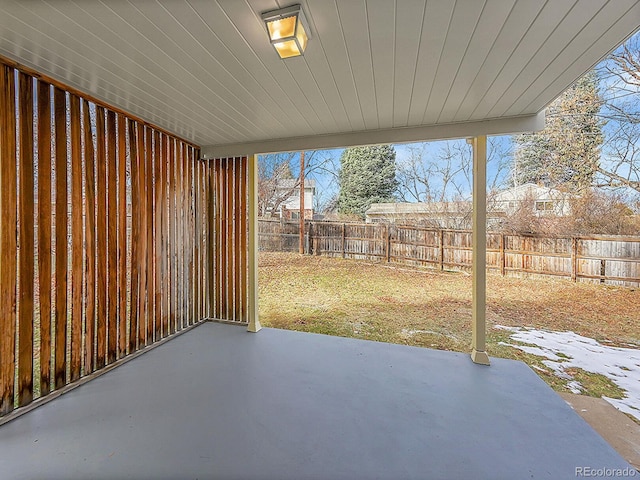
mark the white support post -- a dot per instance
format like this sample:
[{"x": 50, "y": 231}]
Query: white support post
[
  {"x": 479, "y": 240},
  {"x": 254, "y": 321}
]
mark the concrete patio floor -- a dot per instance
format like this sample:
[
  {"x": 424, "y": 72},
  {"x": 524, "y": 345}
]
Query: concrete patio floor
[{"x": 219, "y": 402}]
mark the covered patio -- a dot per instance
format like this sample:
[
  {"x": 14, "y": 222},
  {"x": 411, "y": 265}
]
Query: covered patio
[{"x": 128, "y": 184}]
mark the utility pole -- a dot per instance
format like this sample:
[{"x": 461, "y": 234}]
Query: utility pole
[{"x": 302, "y": 203}]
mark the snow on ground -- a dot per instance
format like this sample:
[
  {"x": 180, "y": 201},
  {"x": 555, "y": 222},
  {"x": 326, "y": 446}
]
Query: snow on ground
[{"x": 564, "y": 350}]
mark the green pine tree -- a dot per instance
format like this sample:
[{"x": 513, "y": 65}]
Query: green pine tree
[
  {"x": 367, "y": 175},
  {"x": 567, "y": 152}
]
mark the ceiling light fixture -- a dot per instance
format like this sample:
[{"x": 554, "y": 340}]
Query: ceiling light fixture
[{"x": 288, "y": 30}]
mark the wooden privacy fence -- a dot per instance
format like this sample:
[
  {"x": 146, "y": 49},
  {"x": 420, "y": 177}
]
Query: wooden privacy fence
[
  {"x": 603, "y": 259},
  {"x": 113, "y": 236}
]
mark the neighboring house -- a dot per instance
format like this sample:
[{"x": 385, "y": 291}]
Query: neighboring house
[
  {"x": 289, "y": 208},
  {"x": 455, "y": 215},
  {"x": 541, "y": 200}
]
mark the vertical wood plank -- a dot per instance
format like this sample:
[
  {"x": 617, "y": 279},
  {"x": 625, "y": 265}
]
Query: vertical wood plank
[
  {"x": 135, "y": 236},
  {"x": 150, "y": 242},
  {"x": 229, "y": 238},
  {"x": 172, "y": 236},
  {"x": 244, "y": 285},
  {"x": 112, "y": 240},
  {"x": 198, "y": 236},
  {"x": 157, "y": 234},
  {"x": 60, "y": 115},
  {"x": 237, "y": 247},
  {"x": 223, "y": 238},
  {"x": 218, "y": 249},
  {"x": 188, "y": 237},
  {"x": 164, "y": 164},
  {"x": 142, "y": 251},
  {"x": 180, "y": 228},
  {"x": 44, "y": 233},
  {"x": 102, "y": 259},
  {"x": 8, "y": 240},
  {"x": 185, "y": 234},
  {"x": 76, "y": 239},
  {"x": 90, "y": 240},
  {"x": 27, "y": 242},
  {"x": 122, "y": 236},
  {"x": 210, "y": 238},
  {"x": 192, "y": 237}
]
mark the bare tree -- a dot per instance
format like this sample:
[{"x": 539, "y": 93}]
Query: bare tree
[
  {"x": 620, "y": 163},
  {"x": 279, "y": 176},
  {"x": 447, "y": 174}
]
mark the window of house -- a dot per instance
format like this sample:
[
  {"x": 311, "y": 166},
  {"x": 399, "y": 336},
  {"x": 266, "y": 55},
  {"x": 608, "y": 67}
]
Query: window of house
[{"x": 544, "y": 205}]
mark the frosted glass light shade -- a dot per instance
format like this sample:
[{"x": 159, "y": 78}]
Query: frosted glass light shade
[{"x": 286, "y": 30}]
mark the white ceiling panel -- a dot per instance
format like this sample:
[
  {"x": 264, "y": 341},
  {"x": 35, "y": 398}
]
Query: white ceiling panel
[{"x": 374, "y": 70}]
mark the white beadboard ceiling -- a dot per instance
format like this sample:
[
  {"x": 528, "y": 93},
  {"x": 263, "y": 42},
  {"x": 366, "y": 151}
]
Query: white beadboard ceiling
[{"x": 374, "y": 71}]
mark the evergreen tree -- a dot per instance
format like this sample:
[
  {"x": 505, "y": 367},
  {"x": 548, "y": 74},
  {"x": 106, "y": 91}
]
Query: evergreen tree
[
  {"x": 367, "y": 175},
  {"x": 567, "y": 152}
]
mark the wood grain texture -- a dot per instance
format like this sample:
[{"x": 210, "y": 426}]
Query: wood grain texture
[
  {"x": 217, "y": 229},
  {"x": 122, "y": 211},
  {"x": 148, "y": 152},
  {"x": 180, "y": 236},
  {"x": 76, "y": 238},
  {"x": 237, "y": 235},
  {"x": 102, "y": 258},
  {"x": 112, "y": 240},
  {"x": 157, "y": 235},
  {"x": 135, "y": 237},
  {"x": 61, "y": 223},
  {"x": 142, "y": 239},
  {"x": 44, "y": 233},
  {"x": 27, "y": 242},
  {"x": 8, "y": 240},
  {"x": 197, "y": 292},
  {"x": 211, "y": 240},
  {"x": 164, "y": 207},
  {"x": 172, "y": 249},
  {"x": 243, "y": 247},
  {"x": 191, "y": 236},
  {"x": 90, "y": 242}
]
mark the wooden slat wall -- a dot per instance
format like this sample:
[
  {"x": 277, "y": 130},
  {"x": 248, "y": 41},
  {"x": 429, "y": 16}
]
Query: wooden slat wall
[
  {"x": 229, "y": 282},
  {"x": 106, "y": 237}
]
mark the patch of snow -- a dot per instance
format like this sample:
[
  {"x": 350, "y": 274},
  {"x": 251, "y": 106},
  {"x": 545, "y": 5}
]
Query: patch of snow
[
  {"x": 574, "y": 386},
  {"x": 408, "y": 332},
  {"x": 503, "y": 327},
  {"x": 563, "y": 350}
]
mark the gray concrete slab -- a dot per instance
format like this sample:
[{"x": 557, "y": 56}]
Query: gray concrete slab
[{"x": 219, "y": 402}]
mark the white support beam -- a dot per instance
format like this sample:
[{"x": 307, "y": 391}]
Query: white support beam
[
  {"x": 479, "y": 241},
  {"x": 254, "y": 321},
  {"x": 496, "y": 126}
]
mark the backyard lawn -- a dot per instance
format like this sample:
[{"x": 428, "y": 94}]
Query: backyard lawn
[{"x": 421, "y": 307}]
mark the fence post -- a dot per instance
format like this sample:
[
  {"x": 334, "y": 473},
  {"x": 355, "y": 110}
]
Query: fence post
[
  {"x": 502, "y": 255},
  {"x": 574, "y": 259},
  {"x": 441, "y": 240},
  {"x": 388, "y": 243},
  {"x": 344, "y": 226},
  {"x": 310, "y": 239}
]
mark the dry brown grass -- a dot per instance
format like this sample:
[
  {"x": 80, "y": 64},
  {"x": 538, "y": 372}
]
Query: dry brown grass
[{"x": 422, "y": 307}]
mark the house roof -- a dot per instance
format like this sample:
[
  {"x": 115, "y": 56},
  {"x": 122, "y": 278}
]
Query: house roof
[
  {"x": 293, "y": 182},
  {"x": 374, "y": 71},
  {"x": 424, "y": 208}
]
